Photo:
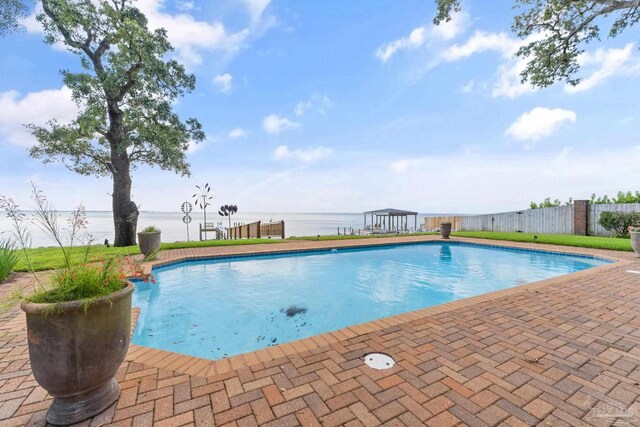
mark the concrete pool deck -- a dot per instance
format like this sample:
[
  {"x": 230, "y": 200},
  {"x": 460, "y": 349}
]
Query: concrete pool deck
[{"x": 560, "y": 352}]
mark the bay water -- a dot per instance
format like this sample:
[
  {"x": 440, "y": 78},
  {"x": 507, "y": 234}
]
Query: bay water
[{"x": 100, "y": 224}]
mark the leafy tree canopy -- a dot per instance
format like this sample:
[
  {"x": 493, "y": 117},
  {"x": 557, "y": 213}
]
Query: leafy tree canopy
[
  {"x": 565, "y": 27},
  {"x": 125, "y": 92},
  {"x": 11, "y": 12}
]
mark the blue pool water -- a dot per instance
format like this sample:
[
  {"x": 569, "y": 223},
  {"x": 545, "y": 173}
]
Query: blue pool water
[{"x": 222, "y": 307}]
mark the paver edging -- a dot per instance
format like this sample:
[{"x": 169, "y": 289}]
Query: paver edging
[{"x": 208, "y": 368}]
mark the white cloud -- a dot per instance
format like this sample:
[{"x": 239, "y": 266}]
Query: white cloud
[
  {"x": 186, "y": 5},
  {"x": 607, "y": 62},
  {"x": 195, "y": 146},
  {"x": 508, "y": 81},
  {"x": 255, "y": 8},
  {"x": 320, "y": 101},
  {"x": 404, "y": 165},
  {"x": 188, "y": 35},
  {"x": 302, "y": 107},
  {"x": 416, "y": 38},
  {"x": 238, "y": 133},
  {"x": 539, "y": 123},
  {"x": 610, "y": 62},
  {"x": 451, "y": 29},
  {"x": 468, "y": 87},
  {"x": 304, "y": 155},
  {"x": 224, "y": 82},
  {"x": 34, "y": 107},
  {"x": 275, "y": 124},
  {"x": 421, "y": 36},
  {"x": 479, "y": 42}
]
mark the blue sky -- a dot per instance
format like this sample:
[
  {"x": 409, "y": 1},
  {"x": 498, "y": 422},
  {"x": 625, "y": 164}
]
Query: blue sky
[{"x": 338, "y": 106}]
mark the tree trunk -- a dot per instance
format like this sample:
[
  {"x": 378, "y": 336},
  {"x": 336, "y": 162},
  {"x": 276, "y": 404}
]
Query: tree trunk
[{"x": 125, "y": 211}]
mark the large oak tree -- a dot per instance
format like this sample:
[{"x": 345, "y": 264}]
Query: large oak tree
[
  {"x": 125, "y": 95},
  {"x": 565, "y": 26}
]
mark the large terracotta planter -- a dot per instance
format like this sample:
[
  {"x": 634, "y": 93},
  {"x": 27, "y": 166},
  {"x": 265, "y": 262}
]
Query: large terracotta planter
[
  {"x": 149, "y": 242},
  {"x": 635, "y": 242},
  {"x": 445, "y": 230},
  {"x": 75, "y": 353}
]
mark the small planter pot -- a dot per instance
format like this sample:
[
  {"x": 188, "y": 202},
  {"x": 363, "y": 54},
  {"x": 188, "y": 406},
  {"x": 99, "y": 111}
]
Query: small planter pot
[
  {"x": 445, "y": 230},
  {"x": 635, "y": 242},
  {"x": 75, "y": 353},
  {"x": 149, "y": 242}
]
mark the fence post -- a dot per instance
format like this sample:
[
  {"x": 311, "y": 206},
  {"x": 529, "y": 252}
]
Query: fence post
[
  {"x": 282, "y": 222},
  {"x": 580, "y": 217}
]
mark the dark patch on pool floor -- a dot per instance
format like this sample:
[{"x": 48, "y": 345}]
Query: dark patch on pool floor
[{"x": 293, "y": 310}]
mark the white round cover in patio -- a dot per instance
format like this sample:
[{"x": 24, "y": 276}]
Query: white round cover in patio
[{"x": 379, "y": 361}]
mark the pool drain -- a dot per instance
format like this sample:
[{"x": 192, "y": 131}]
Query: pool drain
[{"x": 379, "y": 361}]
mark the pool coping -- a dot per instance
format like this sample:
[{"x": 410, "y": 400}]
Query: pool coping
[{"x": 201, "y": 367}]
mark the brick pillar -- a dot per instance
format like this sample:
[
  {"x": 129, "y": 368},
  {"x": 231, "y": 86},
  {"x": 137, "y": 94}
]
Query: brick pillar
[{"x": 580, "y": 217}]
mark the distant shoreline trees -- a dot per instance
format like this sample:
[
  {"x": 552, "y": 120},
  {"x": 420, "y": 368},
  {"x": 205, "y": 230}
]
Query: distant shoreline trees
[{"x": 621, "y": 197}]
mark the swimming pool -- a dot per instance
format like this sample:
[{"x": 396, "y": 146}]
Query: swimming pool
[{"x": 226, "y": 306}]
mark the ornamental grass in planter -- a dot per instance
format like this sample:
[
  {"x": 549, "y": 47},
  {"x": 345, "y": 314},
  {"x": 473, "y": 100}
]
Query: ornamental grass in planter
[
  {"x": 78, "y": 324},
  {"x": 149, "y": 240}
]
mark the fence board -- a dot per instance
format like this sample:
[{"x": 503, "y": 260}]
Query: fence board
[
  {"x": 433, "y": 222},
  {"x": 272, "y": 229}
]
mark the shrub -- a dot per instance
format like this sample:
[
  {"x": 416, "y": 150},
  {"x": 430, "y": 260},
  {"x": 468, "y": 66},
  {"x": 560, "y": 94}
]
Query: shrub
[
  {"x": 619, "y": 222},
  {"x": 150, "y": 229},
  {"x": 8, "y": 258}
]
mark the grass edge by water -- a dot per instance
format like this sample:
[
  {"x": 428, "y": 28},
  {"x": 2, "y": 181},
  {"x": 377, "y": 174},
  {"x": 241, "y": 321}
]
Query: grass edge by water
[
  {"x": 49, "y": 258},
  {"x": 590, "y": 242}
]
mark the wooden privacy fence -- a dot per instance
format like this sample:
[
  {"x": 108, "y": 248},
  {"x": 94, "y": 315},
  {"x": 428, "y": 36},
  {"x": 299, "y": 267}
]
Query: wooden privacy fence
[
  {"x": 256, "y": 230},
  {"x": 244, "y": 231},
  {"x": 557, "y": 220},
  {"x": 433, "y": 222},
  {"x": 272, "y": 229},
  {"x": 580, "y": 218}
]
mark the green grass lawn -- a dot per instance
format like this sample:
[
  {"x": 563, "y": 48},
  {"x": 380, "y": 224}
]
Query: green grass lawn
[
  {"x": 593, "y": 242},
  {"x": 51, "y": 257}
]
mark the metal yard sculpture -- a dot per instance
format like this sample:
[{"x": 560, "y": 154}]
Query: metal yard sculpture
[
  {"x": 228, "y": 210},
  {"x": 187, "y": 207},
  {"x": 203, "y": 200}
]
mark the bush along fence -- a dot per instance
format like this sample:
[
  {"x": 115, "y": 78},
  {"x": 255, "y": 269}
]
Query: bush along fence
[{"x": 579, "y": 218}]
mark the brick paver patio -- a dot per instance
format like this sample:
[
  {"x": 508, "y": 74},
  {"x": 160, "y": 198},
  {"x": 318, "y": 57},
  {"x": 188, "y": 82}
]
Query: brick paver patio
[{"x": 562, "y": 352}]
